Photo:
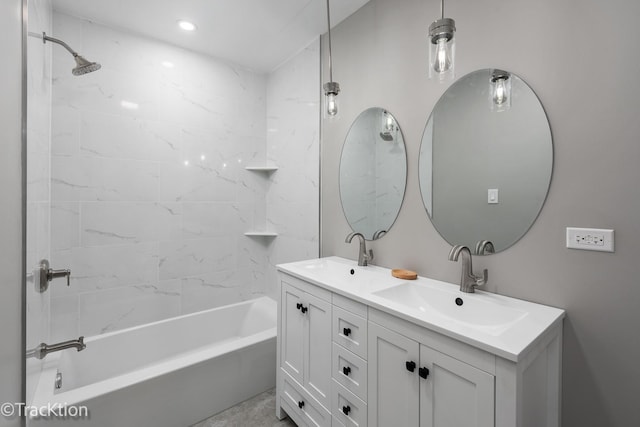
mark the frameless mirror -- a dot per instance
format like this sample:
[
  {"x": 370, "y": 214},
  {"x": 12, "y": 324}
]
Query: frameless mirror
[
  {"x": 485, "y": 161},
  {"x": 373, "y": 173}
]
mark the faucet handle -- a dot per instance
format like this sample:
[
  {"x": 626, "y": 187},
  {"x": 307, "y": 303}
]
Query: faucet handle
[
  {"x": 369, "y": 256},
  {"x": 481, "y": 281}
]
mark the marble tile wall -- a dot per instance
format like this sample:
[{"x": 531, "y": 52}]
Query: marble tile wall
[
  {"x": 293, "y": 134},
  {"x": 150, "y": 198},
  {"x": 38, "y": 184}
]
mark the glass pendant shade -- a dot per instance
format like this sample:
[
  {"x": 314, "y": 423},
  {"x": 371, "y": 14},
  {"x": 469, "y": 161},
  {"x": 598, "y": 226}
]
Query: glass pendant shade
[
  {"x": 331, "y": 90},
  {"x": 442, "y": 49},
  {"x": 500, "y": 93}
]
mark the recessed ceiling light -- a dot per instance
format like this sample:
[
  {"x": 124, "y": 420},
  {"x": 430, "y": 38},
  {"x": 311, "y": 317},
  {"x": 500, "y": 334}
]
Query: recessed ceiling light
[
  {"x": 167, "y": 64},
  {"x": 186, "y": 25},
  {"x": 129, "y": 105}
]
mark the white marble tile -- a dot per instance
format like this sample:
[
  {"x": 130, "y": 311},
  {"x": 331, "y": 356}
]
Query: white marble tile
[
  {"x": 65, "y": 230},
  {"x": 82, "y": 178},
  {"x": 65, "y": 131},
  {"x": 211, "y": 219},
  {"x": 64, "y": 318},
  {"x": 105, "y": 267},
  {"x": 118, "y": 308},
  {"x": 213, "y": 290},
  {"x": 126, "y": 137},
  {"x": 117, "y": 223},
  {"x": 196, "y": 257},
  {"x": 198, "y": 180}
]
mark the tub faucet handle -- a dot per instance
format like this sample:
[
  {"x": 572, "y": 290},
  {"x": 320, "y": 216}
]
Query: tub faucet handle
[{"x": 47, "y": 274}]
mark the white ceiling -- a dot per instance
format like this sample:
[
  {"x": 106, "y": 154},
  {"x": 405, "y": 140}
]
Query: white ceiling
[{"x": 258, "y": 34}]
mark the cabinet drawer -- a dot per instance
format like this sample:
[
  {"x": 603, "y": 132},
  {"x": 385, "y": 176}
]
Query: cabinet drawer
[
  {"x": 350, "y": 371},
  {"x": 347, "y": 408},
  {"x": 303, "y": 406},
  {"x": 350, "y": 331}
]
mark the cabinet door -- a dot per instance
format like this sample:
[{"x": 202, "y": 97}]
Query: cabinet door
[
  {"x": 317, "y": 349},
  {"x": 293, "y": 331},
  {"x": 454, "y": 394},
  {"x": 393, "y": 388}
]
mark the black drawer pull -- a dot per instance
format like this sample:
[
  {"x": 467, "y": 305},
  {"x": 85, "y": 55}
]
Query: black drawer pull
[
  {"x": 346, "y": 410},
  {"x": 298, "y": 306},
  {"x": 300, "y": 404},
  {"x": 423, "y": 372},
  {"x": 411, "y": 366},
  {"x": 304, "y": 309},
  {"x": 346, "y": 332},
  {"x": 346, "y": 370}
]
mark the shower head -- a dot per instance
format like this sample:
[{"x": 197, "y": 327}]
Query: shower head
[
  {"x": 386, "y": 136},
  {"x": 82, "y": 65}
]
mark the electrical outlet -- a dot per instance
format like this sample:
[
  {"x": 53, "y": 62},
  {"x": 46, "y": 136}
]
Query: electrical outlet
[{"x": 590, "y": 239}]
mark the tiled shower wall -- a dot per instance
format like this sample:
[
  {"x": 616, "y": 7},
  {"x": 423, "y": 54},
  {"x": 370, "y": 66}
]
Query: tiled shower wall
[
  {"x": 38, "y": 184},
  {"x": 150, "y": 196}
]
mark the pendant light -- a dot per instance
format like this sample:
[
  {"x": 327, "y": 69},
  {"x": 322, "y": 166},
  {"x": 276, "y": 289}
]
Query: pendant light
[
  {"x": 442, "y": 47},
  {"x": 331, "y": 88},
  {"x": 500, "y": 93}
]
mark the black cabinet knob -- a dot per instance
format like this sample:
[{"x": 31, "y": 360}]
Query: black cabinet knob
[
  {"x": 346, "y": 410},
  {"x": 423, "y": 372},
  {"x": 304, "y": 309},
  {"x": 411, "y": 366},
  {"x": 346, "y": 332},
  {"x": 300, "y": 404},
  {"x": 298, "y": 306},
  {"x": 346, "y": 370}
]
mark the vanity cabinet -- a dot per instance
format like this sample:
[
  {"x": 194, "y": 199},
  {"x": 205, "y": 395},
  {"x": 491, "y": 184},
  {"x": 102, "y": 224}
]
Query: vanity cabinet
[
  {"x": 347, "y": 359},
  {"x": 412, "y": 384}
]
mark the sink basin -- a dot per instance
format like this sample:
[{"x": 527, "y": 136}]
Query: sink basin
[
  {"x": 488, "y": 313},
  {"x": 331, "y": 271}
]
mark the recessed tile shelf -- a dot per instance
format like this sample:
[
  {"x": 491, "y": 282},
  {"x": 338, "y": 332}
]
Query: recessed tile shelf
[
  {"x": 267, "y": 169},
  {"x": 261, "y": 234}
]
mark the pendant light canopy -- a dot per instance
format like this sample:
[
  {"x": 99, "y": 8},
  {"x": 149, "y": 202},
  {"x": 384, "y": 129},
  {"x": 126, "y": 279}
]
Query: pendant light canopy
[
  {"x": 442, "y": 47},
  {"x": 331, "y": 88}
]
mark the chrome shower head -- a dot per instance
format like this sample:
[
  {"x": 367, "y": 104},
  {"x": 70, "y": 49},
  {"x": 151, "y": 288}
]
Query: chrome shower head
[{"x": 82, "y": 65}]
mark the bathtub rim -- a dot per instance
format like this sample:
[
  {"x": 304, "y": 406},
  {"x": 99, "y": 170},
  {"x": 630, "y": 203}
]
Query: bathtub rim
[{"x": 45, "y": 393}]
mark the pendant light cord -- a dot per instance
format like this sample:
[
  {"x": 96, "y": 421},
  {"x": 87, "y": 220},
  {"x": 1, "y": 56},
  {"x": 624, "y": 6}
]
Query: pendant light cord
[
  {"x": 442, "y": 8},
  {"x": 329, "y": 25}
]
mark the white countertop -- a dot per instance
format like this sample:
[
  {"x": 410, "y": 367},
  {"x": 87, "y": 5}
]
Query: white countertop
[{"x": 508, "y": 339}]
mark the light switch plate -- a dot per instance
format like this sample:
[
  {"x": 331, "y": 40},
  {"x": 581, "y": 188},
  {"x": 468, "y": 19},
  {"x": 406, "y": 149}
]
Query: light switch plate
[
  {"x": 492, "y": 196},
  {"x": 590, "y": 239}
]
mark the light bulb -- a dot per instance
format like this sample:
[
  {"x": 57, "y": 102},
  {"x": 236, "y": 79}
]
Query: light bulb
[
  {"x": 332, "y": 104},
  {"x": 388, "y": 125},
  {"x": 500, "y": 95},
  {"x": 443, "y": 56}
]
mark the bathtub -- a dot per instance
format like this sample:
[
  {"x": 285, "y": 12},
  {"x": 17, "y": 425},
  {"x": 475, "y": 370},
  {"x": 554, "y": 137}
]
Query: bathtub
[{"x": 171, "y": 373}]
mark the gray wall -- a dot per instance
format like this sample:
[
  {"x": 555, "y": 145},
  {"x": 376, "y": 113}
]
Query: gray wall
[
  {"x": 10, "y": 206},
  {"x": 588, "y": 86}
]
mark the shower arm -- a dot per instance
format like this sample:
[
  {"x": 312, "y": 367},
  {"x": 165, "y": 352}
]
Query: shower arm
[{"x": 46, "y": 38}]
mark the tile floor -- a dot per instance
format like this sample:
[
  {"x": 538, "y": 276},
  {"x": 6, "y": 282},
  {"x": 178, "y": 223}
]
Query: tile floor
[{"x": 259, "y": 411}]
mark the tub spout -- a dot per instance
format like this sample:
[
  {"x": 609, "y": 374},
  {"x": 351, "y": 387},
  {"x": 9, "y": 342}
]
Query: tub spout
[{"x": 41, "y": 351}]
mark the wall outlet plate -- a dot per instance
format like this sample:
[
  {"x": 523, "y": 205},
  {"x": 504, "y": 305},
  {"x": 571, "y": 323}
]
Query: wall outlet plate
[{"x": 590, "y": 239}]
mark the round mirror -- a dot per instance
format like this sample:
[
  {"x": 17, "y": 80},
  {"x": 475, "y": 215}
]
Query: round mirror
[
  {"x": 485, "y": 161},
  {"x": 373, "y": 173}
]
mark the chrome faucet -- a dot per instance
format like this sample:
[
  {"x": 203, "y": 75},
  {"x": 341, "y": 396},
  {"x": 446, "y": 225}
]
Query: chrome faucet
[
  {"x": 41, "y": 351},
  {"x": 363, "y": 256},
  {"x": 484, "y": 247},
  {"x": 469, "y": 281}
]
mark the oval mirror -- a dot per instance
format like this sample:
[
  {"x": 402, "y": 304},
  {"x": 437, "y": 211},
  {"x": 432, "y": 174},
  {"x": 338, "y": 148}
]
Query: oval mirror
[
  {"x": 373, "y": 173},
  {"x": 485, "y": 161}
]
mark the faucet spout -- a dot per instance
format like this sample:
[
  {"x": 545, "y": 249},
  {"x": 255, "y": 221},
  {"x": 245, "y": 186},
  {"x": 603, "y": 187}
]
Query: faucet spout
[
  {"x": 468, "y": 281},
  {"x": 363, "y": 256},
  {"x": 41, "y": 351}
]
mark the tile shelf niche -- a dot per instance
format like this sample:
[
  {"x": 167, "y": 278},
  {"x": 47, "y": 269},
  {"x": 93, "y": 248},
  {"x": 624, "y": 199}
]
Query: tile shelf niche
[{"x": 261, "y": 234}]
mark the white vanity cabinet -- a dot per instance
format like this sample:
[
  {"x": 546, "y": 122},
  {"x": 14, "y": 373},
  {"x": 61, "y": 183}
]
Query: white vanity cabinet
[
  {"x": 347, "y": 357},
  {"x": 304, "y": 344},
  {"x": 411, "y": 384}
]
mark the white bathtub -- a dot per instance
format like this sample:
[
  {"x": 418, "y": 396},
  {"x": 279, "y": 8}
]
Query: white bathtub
[{"x": 171, "y": 373}]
